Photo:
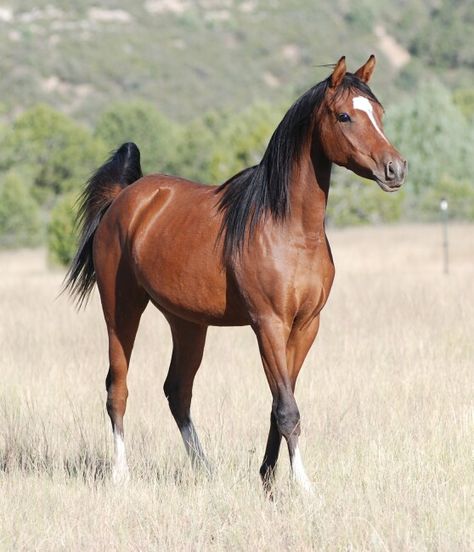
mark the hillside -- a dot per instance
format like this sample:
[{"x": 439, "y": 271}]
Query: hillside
[{"x": 190, "y": 56}]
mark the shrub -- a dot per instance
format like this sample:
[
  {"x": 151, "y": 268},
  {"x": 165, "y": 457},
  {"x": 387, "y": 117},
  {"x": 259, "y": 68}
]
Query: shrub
[
  {"x": 55, "y": 153},
  {"x": 20, "y": 223},
  {"x": 460, "y": 196},
  {"x": 62, "y": 236},
  {"x": 356, "y": 201},
  {"x": 140, "y": 122}
]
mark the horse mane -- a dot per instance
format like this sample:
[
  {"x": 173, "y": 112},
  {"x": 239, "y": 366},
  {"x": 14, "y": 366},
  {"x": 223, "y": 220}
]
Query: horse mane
[{"x": 263, "y": 189}]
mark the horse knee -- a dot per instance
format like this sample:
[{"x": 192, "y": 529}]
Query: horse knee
[{"x": 287, "y": 418}]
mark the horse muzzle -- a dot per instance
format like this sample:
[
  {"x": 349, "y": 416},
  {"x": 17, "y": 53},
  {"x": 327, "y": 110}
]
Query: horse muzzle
[{"x": 393, "y": 176}]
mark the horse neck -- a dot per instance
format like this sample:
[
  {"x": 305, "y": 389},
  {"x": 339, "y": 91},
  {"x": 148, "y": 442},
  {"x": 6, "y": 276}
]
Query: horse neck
[{"x": 310, "y": 188}]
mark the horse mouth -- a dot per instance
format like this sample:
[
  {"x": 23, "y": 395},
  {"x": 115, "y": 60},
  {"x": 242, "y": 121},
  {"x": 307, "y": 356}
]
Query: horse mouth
[{"x": 389, "y": 185}]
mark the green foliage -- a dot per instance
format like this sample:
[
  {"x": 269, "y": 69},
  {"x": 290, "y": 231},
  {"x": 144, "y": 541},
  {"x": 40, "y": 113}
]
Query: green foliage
[
  {"x": 464, "y": 100},
  {"x": 460, "y": 196},
  {"x": 139, "y": 121},
  {"x": 242, "y": 141},
  {"x": 353, "y": 200},
  {"x": 196, "y": 148},
  {"x": 442, "y": 41},
  {"x": 52, "y": 152},
  {"x": 433, "y": 135},
  {"x": 213, "y": 55},
  {"x": 62, "y": 236},
  {"x": 361, "y": 15},
  {"x": 19, "y": 213}
]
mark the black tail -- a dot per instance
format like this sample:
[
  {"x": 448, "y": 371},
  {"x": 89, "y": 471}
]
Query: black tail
[{"x": 122, "y": 168}]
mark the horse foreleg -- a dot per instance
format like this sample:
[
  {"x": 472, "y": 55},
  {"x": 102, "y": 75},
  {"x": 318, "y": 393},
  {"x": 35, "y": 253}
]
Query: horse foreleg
[
  {"x": 267, "y": 469},
  {"x": 282, "y": 358},
  {"x": 272, "y": 335},
  {"x": 297, "y": 348},
  {"x": 188, "y": 348}
]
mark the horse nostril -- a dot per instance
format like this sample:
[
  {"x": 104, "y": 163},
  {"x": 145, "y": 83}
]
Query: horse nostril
[
  {"x": 395, "y": 170},
  {"x": 390, "y": 173}
]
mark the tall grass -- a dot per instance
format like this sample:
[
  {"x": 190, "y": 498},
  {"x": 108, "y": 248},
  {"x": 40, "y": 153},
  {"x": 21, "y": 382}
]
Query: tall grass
[{"x": 386, "y": 397}]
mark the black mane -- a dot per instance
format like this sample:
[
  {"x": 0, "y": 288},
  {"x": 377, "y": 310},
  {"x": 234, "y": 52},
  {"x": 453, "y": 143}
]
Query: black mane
[{"x": 263, "y": 189}]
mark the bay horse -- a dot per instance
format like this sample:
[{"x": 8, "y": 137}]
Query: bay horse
[{"x": 252, "y": 251}]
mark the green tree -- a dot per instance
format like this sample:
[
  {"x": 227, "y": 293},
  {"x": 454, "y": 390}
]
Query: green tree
[
  {"x": 139, "y": 121},
  {"x": 353, "y": 200},
  {"x": 464, "y": 100},
  {"x": 51, "y": 151},
  {"x": 243, "y": 140},
  {"x": 20, "y": 223},
  {"x": 443, "y": 39},
  {"x": 195, "y": 150},
  {"x": 460, "y": 196},
  {"x": 62, "y": 235},
  {"x": 435, "y": 138}
]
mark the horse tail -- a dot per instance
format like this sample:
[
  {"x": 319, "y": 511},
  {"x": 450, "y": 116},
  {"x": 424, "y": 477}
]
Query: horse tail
[{"x": 121, "y": 170}]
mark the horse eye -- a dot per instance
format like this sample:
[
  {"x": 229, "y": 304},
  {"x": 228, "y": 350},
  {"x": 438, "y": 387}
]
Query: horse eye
[{"x": 343, "y": 118}]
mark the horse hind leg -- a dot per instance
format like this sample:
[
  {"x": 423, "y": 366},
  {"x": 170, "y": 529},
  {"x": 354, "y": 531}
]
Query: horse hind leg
[
  {"x": 123, "y": 303},
  {"x": 188, "y": 348}
]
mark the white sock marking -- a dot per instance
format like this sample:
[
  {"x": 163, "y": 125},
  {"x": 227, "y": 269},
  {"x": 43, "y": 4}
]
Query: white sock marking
[
  {"x": 120, "y": 472},
  {"x": 363, "y": 104},
  {"x": 299, "y": 473}
]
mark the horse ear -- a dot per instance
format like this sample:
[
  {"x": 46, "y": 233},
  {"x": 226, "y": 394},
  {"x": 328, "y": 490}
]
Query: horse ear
[
  {"x": 365, "y": 72},
  {"x": 339, "y": 72}
]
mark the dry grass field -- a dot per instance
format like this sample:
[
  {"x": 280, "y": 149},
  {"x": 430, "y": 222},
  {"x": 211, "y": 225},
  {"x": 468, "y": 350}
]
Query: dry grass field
[{"x": 386, "y": 397}]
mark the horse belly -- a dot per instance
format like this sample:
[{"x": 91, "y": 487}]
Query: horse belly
[{"x": 196, "y": 295}]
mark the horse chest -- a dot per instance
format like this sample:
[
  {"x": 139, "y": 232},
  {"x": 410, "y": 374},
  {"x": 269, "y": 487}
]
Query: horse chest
[
  {"x": 312, "y": 284},
  {"x": 289, "y": 282}
]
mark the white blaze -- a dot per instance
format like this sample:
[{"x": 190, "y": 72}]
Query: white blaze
[{"x": 363, "y": 104}]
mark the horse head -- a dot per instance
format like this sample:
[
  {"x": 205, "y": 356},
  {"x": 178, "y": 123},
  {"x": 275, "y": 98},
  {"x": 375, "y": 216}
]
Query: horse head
[{"x": 351, "y": 131}]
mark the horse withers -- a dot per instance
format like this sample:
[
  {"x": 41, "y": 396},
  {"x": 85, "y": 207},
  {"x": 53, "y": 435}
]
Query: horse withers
[{"x": 252, "y": 251}]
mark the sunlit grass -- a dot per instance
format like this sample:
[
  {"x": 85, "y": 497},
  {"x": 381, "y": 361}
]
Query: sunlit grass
[{"x": 386, "y": 398}]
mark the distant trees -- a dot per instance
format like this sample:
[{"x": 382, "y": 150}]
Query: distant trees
[
  {"x": 50, "y": 151},
  {"x": 139, "y": 121},
  {"x": 443, "y": 38},
  {"x": 20, "y": 221},
  {"x": 46, "y": 157},
  {"x": 438, "y": 141}
]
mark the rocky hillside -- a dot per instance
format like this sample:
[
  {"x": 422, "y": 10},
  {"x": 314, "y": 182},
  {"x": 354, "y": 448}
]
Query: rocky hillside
[{"x": 188, "y": 56}]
